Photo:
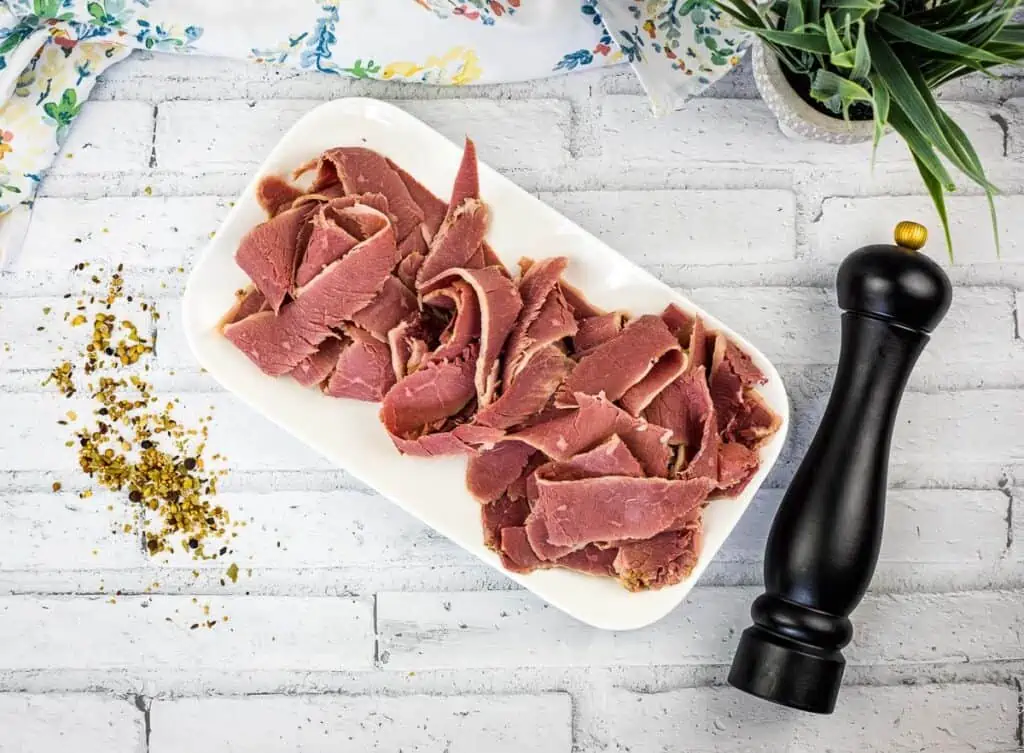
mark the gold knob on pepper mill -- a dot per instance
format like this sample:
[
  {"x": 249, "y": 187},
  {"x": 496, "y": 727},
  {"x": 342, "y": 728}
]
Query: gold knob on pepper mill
[{"x": 910, "y": 235}]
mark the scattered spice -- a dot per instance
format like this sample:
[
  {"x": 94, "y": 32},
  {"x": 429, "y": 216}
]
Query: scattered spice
[
  {"x": 233, "y": 572},
  {"x": 57, "y": 486}
]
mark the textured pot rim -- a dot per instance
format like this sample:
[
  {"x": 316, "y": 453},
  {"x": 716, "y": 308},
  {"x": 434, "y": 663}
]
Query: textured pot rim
[{"x": 790, "y": 108}]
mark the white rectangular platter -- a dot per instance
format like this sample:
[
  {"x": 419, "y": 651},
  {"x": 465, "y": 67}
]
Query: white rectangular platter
[{"x": 349, "y": 433}]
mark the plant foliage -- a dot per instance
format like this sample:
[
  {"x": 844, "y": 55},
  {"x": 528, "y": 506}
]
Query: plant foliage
[{"x": 891, "y": 55}]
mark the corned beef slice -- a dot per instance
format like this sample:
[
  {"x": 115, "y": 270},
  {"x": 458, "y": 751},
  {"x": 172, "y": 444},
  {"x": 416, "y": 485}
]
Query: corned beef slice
[
  {"x": 456, "y": 241},
  {"x": 500, "y": 305},
  {"x": 433, "y": 208},
  {"x": 501, "y": 513},
  {"x": 464, "y": 326},
  {"x": 615, "y": 508},
  {"x": 490, "y": 473},
  {"x": 317, "y": 367},
  {"x": 393, "y": 304},
  {"x": 531, "y": 391},
  {"x": 597, "y": 330},
  {"x": 516, "y": 552},
  {"x": 678, "y": 322},
  {"x": 610, "y": 458},
  {"x": 326, "y": 242},
  {"x": 277, "y": 344},
  {"x": 408, "y": 341},
  {"x": 571, "y": 431},
  {"x": 247, "y": 303},
  {"x": 362, "y": 170},
  {"x": 363, "y": 370},
  {"x": 537, "y": 282},
  {"x": 683, "y": 407},
  {"x": 467, "y": 179},
  {"x": 432, "y": 394},
  {"x": 274, "y": 194},
  {"x": 622, "y": 362},
  {"x": 663, "y": 560},
  {"x": 269, "y": 251}
]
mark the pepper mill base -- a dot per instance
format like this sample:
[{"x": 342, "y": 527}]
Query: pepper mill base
[{"x": 783, "y": 671}]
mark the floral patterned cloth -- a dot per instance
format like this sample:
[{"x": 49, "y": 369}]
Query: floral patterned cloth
[{"x": 51, "y": 52}]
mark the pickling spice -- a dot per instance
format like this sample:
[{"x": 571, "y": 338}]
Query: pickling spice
[{"x": 133, "y": 442}]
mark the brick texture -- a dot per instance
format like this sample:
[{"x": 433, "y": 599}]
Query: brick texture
[{"x": 360, "y": 629}]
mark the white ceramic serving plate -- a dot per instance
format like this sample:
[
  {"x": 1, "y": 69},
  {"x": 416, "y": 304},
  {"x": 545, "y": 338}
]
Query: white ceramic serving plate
[{"x": 349, "y": 433}]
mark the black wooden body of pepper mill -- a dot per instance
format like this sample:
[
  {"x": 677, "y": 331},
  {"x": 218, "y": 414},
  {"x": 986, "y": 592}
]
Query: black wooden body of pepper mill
[{"x": 825, "y": 538}]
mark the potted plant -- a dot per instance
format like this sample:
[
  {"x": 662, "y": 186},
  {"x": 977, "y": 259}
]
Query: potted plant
[{"x": 848, "y": 70}]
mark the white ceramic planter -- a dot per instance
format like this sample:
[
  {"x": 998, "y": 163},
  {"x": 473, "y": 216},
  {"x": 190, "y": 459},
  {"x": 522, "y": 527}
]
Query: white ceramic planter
[{"x": 797, "y": 119}]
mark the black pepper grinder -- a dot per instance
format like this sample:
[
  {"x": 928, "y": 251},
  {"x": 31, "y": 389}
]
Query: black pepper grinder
[{"x": 825, "y": 538}]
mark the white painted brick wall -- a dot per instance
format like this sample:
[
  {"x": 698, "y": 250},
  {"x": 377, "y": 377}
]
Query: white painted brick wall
[
  {"x": 392, "y": 637},
  {"x": 467, "y": 724},
  {"x": 140, "y": 232},
  {"x": 457, "y": 630},
  {"x": 951, "y": 719},
  {"x": 230, "y": 135},
  {"x": 108, "y": 137},
  {"x": 81, "y": 723},
  {"x": 152, "y": 634},
  {"x": 721, "y": 130},
  {"x": 847, "y": 223},
  {"x": 656, "y": 228}
]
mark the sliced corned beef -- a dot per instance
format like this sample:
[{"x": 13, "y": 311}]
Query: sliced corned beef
[
  {"x": 277, "y": 344},
  {"x": 501, "y": 513},
  {"x": 467, "y": 180},
  {"x": 500, "y": 305},
  {"x": 756, "y": 422},
  {"x": 571, "y": 431},
  {"x": 678, "y": 322},
  {"x": 275, "y": 194},
  {"x": 597, "y": 330},
  {"x": 455, "y": 243},
  {"x": 736, "y": 465},
  {"x": 683, "y": 407},
  {"x": 725, "y": 385},
  {"x": 592, "y": 560},
  {"x": 332, "y": 192},
  {"x": 247, "y": 303},
  {"x": 610, "y": 458},
  {"x": 661, "y": 375},
  {"x": 361, "y": 170},
  {"x": 269, "y": 251},
  {"x": 432, "y": 394},
  {"x": 537, "y": 281},
  {"x": 363, "y": 370},
  {"x": 408, "y": 268},
  {"x": 614, "y": 508},
  {"x": 437, "y": 444},
  {"x": 393, "y": 304},
  {"x": 408, "y": 341},
  {"x": 326, "y": 242},
  {"x": 516, "y": 553},
  {"x": 464, "y": 326},
  {"x": 743, "y": 366},
  {"x": 317, "y": 367},
  {"x": 413, "y": 245},
  {"x": 433, "y": 208},
  {"x": 663, "y": 560},
  {"x": 490, "y": 473},
  {"x": 622, "y": 362},
  {"x": 697, "y": 348},
  {"x": 531, "y": 391}
]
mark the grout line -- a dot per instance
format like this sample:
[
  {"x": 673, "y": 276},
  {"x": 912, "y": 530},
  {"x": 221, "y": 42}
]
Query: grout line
[
  {"x": 376, "y": 636},
  {"x": 152, "y": 142},
  {"x": 144, "y": 707},
  {"x": 1004, "y": 487},
  {"x": 1020, "y": 714}
]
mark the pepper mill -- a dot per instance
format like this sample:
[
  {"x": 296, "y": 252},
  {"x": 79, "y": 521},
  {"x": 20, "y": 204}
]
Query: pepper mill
[{"x": 825, "y": 538}]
